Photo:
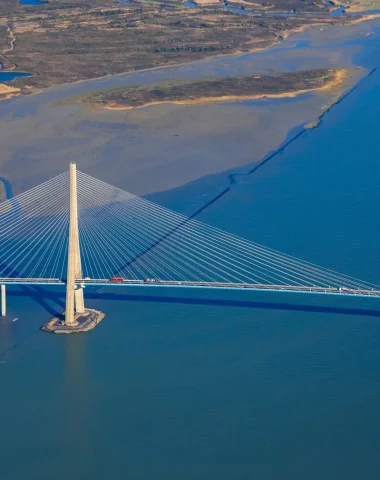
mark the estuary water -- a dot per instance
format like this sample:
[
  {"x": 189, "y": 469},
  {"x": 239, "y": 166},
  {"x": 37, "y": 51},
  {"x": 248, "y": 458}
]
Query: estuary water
[
  {"x": 178, "y": 385},
  {"x": 32, "y": 2},
  {"x": 9, "y": 76}
]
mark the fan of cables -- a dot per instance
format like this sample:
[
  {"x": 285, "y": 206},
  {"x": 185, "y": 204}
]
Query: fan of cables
[{"x": 126, "y": 236}]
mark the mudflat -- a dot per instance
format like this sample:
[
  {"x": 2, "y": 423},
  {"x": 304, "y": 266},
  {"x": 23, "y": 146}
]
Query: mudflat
[{"x": 145, "y": 150}]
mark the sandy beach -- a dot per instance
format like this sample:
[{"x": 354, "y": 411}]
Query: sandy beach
[{"x": 7, "y": 91}]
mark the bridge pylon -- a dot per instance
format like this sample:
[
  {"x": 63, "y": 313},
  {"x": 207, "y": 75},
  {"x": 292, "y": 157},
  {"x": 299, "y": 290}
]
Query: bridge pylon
[
  {"x": 74, "y": 293},
  {"x": 77, "y": 317}
]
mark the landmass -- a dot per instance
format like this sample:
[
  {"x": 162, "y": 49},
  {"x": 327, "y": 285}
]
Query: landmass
[
  {"x": 361, "y": 5},
  {"x": 211, "y": 89},
  {"x": 66, "y": 41}
]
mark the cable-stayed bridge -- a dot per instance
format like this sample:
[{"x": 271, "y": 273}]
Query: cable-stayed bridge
[{"x": 76, "y": 230}]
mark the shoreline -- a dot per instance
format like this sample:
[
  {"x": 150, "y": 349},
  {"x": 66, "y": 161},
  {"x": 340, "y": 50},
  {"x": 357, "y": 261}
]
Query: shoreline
[
  {"x": 7, "y": 91},
  {"x": 12, "y": 41},
  {"x": 285, "y": 34},
  {"x": 167, "y": 148}
]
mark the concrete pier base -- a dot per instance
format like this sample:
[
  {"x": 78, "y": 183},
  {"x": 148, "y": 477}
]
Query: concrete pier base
[
  {"x": 3, "y": 301},
  {"x": 79, "y": 300},
  {"x": 83, "y": 322}
]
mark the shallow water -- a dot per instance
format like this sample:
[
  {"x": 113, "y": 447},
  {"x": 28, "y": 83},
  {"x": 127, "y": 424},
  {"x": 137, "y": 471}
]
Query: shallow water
[
  {"x": 220, "y": 385},
  {"x": 125, "y": 2},
  {"x": 32, "y": 2},
  {"x": 190, "y": 4},
  {"x": 177, "y": 143},
  {"x": 9, "y": 76},
  {"x": 8, "y": 190}
]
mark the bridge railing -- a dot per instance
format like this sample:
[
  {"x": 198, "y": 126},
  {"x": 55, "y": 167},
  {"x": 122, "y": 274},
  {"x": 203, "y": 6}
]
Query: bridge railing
[{"x": 174, "y": 283}]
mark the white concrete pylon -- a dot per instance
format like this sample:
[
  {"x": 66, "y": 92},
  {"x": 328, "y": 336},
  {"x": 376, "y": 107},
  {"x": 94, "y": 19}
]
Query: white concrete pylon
[{"x": 74, "y": 294}]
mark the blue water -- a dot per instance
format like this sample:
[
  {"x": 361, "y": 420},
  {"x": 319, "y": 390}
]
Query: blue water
[
  {"x": 9, "y": 76},
  {"x": 32, "y": 2},
  {"x": 338, "y": 12},
  {"x": 125, "y": 2},
  {"x": 191, "y": 4},
  {"x": 8, "y": 190},
  {"x": 224, "y": 385}
]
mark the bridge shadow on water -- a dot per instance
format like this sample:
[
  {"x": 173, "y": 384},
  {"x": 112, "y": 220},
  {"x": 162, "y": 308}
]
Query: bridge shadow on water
[
  {"x": 37, "y": 293},
  {"x": 54, "y": 302}
]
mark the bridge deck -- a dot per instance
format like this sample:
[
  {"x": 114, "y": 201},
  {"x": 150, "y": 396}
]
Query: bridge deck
[{"x": 187, "y": 284}]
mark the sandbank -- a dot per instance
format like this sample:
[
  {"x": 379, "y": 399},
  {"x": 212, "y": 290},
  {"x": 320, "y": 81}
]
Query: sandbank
[
  {"x": 7, "y": 91},
  {"x": 340, "y": 77}
]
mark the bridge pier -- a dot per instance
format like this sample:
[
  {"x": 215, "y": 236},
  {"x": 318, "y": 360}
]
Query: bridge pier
[
  {"x": 3, "y": 301},
  {"x": 79, "y": 299}
]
